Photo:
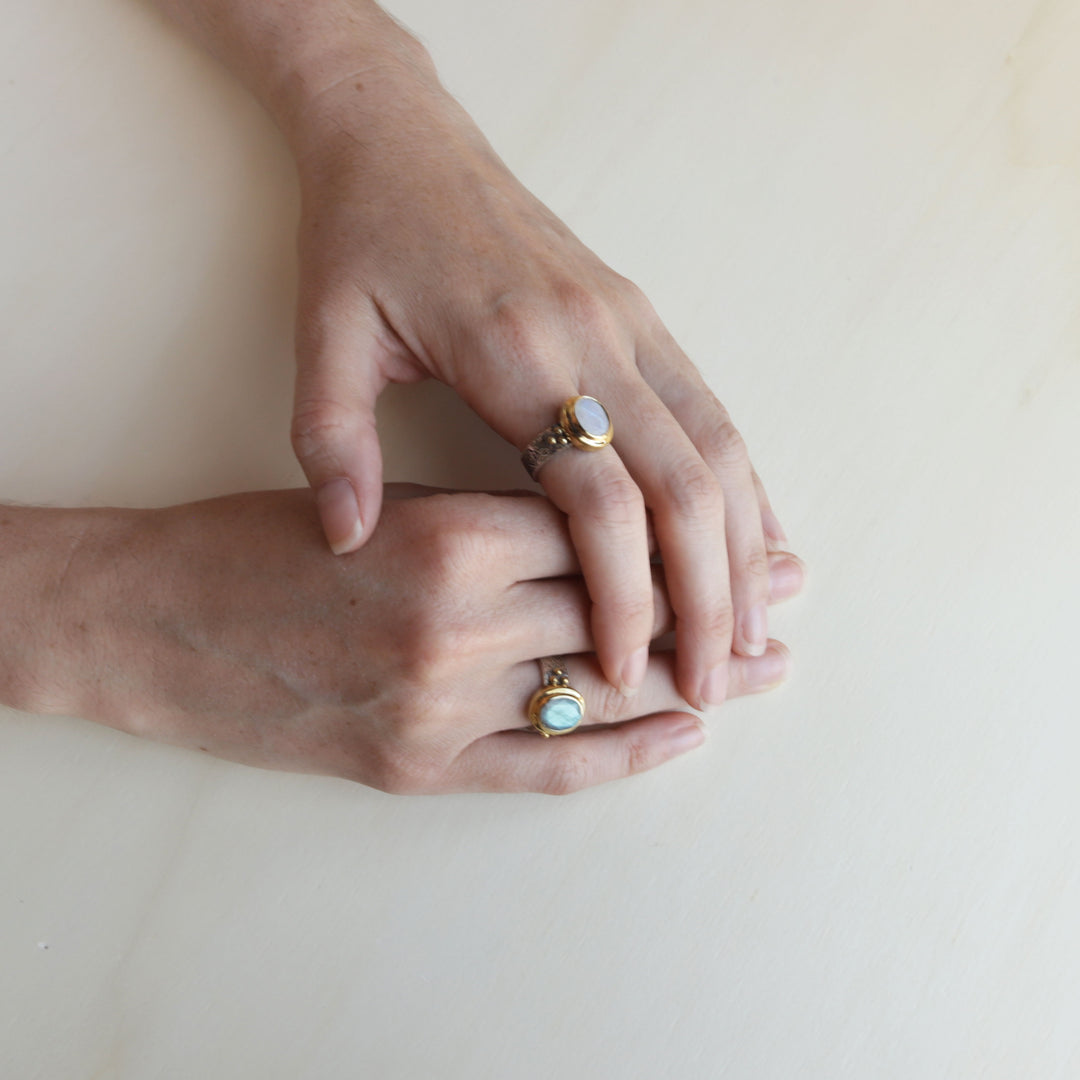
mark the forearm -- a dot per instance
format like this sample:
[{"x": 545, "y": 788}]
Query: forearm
[{"x": 290, "y": 53}]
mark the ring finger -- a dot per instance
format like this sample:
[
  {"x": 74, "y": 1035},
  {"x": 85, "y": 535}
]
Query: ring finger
[
  {"x": 659, "y": 692},
  {"x": 608, "y": 747}
]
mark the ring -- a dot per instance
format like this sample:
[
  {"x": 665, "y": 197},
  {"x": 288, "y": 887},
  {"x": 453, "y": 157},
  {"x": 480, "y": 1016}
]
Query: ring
[
  {"x": 556, "y": 708},
  {"x": 583, "y": 424}
]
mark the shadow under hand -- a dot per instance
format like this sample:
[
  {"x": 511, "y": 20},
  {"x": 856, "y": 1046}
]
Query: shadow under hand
[{"x": 430, "y": 436}]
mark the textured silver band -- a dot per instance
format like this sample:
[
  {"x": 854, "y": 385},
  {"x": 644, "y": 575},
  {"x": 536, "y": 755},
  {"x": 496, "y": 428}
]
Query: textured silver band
[
  {"x": 553, "y": 671},
  {"x": 583, "y": 423},
  {"x": 543, "y": 448}
]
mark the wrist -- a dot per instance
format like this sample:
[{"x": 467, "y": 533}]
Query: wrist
[
  {"x": 340, "y": 58},
  {"x": 50, "y": 572},
  {"x": 365, "y": 102},
  {"x": 293, "y": 56}
]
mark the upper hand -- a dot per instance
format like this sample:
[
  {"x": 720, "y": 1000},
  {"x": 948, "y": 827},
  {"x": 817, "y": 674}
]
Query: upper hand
[{"x": 421, "y": 255}]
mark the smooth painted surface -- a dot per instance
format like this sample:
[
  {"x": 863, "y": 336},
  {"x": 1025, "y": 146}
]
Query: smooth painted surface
[{"x": 863, "y": 221}]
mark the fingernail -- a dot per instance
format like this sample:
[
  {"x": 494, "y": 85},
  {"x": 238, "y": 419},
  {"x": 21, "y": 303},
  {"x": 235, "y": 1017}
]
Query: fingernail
[
  {"x": 686, "y": 738},
  {"x": 339, "y": 512},
  {"x": 755, "y": 631},
  {"x": 786, "y": 577},
  {"x": 771, "y": 669},
  {"x": 714, "y": 689},
  {"x": 771, "y": 524},
  {"x": 633, "y": 672}
]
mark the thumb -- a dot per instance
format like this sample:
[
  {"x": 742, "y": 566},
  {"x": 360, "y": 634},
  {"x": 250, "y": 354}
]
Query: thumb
[{"x": 333, "y": 431}]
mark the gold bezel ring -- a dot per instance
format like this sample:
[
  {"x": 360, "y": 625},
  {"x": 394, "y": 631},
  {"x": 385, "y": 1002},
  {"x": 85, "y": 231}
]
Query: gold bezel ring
[
  {"x": 544, "y": 695},
  {"x": 578, "y": 435}
]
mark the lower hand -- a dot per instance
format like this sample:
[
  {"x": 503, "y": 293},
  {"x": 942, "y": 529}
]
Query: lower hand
[{"x": 227, "y": 626}]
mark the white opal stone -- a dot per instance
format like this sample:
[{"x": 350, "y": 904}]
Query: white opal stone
[
  {"x": 591, "y": 416},
  {"x": 560, "y": 713}
]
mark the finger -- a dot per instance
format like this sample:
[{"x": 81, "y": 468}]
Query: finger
[
  {"x": 659, "y": 691},
  {"x": 605, "y": 512},
  {"x": 524, "y": 761},
  {"x": 787, "y": 576},
  {"x": 696, "y": 409},
  {"x": 687, "y": 504},
  {"x": 333, "y": 432},
  {"x": 607, "y": 522},
  {"x": 552, "y": 618},
  {"x": 539, "y": 544},
  {"x": 525, "y": 536},
  {"x": 520, "y": 760},
  {"x": 545, "y": 609},
  {"x": 775, "y": 537},
  {"x": 747, "y": 554}
]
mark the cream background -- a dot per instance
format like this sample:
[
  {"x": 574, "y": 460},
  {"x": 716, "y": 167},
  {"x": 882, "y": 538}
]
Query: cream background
[{"x": 863, "y": 220}]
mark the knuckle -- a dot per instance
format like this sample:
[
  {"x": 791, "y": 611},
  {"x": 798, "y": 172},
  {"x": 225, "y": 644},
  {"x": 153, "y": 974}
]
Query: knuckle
[
  {"x": 634, "y": 299},
  {"x": 519, "y": 325},
  {"x": 318, "y": 426},
  {"x": 439, "y": 639},
  {"x": 409, "y": 755},
  {"x": 722, "y": 446},
  {"x": 630, "y": 610},
  {"x": 451, "y": 547},
  {"x": 717, "y": 623},
  {"x": 445, "y": 619},
  {"x": 696, "y": 493},
  {"x": 613, "y": 498},
  {"x": 459, "y": 555},
  {"x": 319, "y": 312},
  {"x": 753, "y": 563},
  {"x": 586, "y": 310},
  {"x": 637, "y": 756},
  {"x": 570, "y": 771}
]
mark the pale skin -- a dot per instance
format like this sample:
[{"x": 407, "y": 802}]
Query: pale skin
[
  {"x": 283, "y": 629},
  {"x": 422, "y": 256},
  {"x": 228, "y": 626}
]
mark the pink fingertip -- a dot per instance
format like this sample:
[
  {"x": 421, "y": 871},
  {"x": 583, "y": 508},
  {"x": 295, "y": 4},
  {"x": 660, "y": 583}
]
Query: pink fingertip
[
  {"x": 714, "y": 689},
  {"x": 339, "y": 512},
  {"x": 686, "y": 738},
  {"x": 755, "y": 631},
  {"x": 633, "y": 672},
  {"x": 786, "y": 577}
]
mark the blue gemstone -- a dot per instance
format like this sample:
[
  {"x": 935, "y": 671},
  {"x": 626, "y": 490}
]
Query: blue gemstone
[{"x": 560, "y": 713}]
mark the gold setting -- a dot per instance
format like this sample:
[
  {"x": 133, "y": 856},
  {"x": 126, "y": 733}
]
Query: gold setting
[
  {"x": 556, "y": 684},
  {"x": 576, "y": 433}
]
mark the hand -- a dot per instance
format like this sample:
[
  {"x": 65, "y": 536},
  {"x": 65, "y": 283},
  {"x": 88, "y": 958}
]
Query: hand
[
  {"x": 228, "y": 626},
  {"x": 421, "y": 255}
]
